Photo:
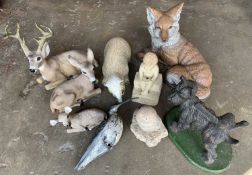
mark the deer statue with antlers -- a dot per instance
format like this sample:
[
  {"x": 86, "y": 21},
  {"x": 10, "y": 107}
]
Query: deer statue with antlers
[{"x": 55, "y": 69}]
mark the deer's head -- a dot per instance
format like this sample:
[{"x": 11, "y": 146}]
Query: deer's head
[
  {"x": 37, "y": 57},
  {"x": 86, "y": 67}
]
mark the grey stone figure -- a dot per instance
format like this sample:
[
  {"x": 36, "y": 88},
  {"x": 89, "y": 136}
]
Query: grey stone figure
[{"x": 195, "y": 115}]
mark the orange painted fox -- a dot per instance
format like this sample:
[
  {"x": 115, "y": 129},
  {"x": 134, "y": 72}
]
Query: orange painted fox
[{"x": 176, "y": 51}]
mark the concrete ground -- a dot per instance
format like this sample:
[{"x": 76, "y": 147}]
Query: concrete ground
[{"x": 221, "y": 30}]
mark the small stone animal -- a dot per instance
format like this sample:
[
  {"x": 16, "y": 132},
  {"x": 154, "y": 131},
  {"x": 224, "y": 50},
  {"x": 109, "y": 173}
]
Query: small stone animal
[
  {"x": 71, "y": 91},
  {"x": 105, "y": 140},
  {"x": 176, "y": 51},
  {"x": 82, "y": 121},
  {"x": 54, "y": 69},
  {"x": 194, "y": 114},
  {"x": 115, "y": 69}
]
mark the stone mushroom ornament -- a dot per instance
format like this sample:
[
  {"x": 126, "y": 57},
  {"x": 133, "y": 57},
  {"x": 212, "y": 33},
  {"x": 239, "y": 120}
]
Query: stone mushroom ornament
[
  {"x": 148, "y": 81},
  {"x": 82, "y": 121},
  {"x": 147, "y": 126}
]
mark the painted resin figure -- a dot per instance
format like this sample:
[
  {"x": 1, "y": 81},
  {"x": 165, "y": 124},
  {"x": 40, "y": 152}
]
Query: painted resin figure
[
  {"x": 194, "y": 114},
  {"x": 109, "y": 135},
  {"x": 147, "y": 126},
  {"x": 54, "y": 69},
  {"x": 148, "y": 81},
  {"x": 176, "y": 51},
  {"x": 115, "y": 69},
  {"x": 82, "y": 121},
  {"x": 71, "y": 92}
]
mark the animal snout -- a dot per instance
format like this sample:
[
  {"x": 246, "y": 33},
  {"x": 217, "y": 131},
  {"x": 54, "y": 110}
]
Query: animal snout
[
  {"x": 164, "y": 35},
  {"x": 32, "y": 70},
  {"x": 95, "y": 82}
]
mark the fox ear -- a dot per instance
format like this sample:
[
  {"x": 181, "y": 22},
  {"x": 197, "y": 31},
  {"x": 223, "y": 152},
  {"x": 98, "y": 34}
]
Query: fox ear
[
  {"x": 153, "y": 15},
  {"x": 175, "y": 11}
]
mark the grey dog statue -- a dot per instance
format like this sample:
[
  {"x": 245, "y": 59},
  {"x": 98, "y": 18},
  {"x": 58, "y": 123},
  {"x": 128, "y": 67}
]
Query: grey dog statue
[{"x": 194, "y": 114}]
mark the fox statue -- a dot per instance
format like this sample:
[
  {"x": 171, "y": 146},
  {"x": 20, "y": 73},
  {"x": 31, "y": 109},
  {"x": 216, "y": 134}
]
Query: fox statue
[{"x": 176, "y": 51}]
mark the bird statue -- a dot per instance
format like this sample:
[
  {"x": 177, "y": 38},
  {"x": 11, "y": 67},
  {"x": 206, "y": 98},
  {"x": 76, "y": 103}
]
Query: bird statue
[{"x": 109, "y": 135}]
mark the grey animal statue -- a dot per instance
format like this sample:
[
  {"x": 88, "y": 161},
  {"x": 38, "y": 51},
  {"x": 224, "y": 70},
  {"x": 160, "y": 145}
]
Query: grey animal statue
[
  {"x": 105, "y": 140},
  {"x": 195, "y": 115}
]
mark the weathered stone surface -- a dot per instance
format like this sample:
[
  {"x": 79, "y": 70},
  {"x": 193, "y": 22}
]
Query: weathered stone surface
[{"x": 147, "y": 126}]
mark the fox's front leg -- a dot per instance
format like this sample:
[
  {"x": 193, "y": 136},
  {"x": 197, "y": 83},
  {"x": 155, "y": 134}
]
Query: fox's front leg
[
  {"x": 40, "y": 80},
  {"x": 54, "y": 84}
]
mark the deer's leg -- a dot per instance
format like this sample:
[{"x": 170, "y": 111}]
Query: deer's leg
[
  {"x": 54, "y": 84},
  {"x": 89, "y": 95},
  {"x": 94, "y": 92},
  {"x": 40, "y": 80}
]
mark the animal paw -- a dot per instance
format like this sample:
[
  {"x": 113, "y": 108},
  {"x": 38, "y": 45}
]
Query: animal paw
[{"x": 174, "y": 127}]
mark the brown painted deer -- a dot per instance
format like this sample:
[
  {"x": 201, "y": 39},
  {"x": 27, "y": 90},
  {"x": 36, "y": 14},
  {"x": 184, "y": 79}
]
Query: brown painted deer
[{"x": 55, "y": 69}]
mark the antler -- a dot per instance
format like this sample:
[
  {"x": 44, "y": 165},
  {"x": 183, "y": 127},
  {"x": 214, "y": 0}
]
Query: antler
[
  {"x": 17, "y": 36},
  {"x": 42, "y": 39}
]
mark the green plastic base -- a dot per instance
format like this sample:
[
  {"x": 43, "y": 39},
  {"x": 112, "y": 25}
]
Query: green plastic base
[{"x": 190, "y": 144}]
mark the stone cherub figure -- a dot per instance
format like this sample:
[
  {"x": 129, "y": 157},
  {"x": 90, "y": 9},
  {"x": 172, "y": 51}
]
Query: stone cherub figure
[
  {"x": 148, "y": 81},
  {"x": 194, "y": 114},
  {"x": 184, "y": 59}
]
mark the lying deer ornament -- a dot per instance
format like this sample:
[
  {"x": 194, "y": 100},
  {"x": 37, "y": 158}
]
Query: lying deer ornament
[
  {"x": 71, "y": 92},
  {"x": 54, "y": 69}
]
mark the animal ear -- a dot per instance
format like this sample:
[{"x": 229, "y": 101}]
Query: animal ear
[
  {"x": 153, "y": 15},
  {"x": 182, "y": 79},
  {"x": 175, "y": 11},
  {"x": 45, "y": 50},
  {"x": 90, "y": 55},
  {"x": 74, "y": 62}
]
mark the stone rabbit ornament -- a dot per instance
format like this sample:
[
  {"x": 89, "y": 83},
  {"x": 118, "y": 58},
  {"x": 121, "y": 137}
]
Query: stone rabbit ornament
[
  {"x": 194, "y": 114},
  {"x": 115, "y": 69},
  {"x": 148, "y": 82},
  {"x": 82, "y": 121},
  {"x": 73, "y": 91},
  {"x": 55, "y": 69},
  {"x": 176, "y": 51}
]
